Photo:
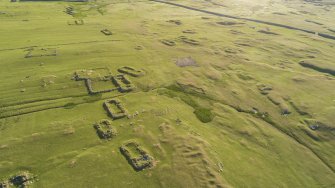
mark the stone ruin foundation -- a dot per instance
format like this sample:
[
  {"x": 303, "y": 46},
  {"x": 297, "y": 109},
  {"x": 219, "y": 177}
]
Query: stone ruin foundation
[
  {"x": 123, "y": 83},
  {"x": 105, "y": 130},
  {"x": 121, "y": 113},
  {"x": 139, "y": 159},
  {"x": 40, "y": 52}
]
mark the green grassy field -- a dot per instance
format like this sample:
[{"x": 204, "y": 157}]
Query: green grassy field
[{"x": 248, "y": 113}]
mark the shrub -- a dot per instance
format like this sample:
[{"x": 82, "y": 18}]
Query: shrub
[
  {"x": 204, "y": 115},
  {"x": 69, "y": 105}
]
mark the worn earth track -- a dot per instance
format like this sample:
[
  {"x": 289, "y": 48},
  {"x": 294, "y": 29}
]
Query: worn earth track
[
  {"x": 62, "y": 44},
  {"x": 248, "y": 19}
]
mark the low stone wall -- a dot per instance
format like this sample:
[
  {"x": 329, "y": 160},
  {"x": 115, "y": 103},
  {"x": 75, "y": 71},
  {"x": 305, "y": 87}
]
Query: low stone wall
[
  {"x": 91, "y": 91},
  {"x": 84, "y": 75},
  {"x": 87, "y": 73},
  {"x": 43, "y": 52}
]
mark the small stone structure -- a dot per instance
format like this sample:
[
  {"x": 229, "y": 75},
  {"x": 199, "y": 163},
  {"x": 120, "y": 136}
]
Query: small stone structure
[
  {"x": 92, "y": 91},
  {"x": 121, "y": 113},
  {"x": 76, "y": 22},
  {"x": 95, "y": 75},
  {"x": 105, "y": 130},
  {"x": 130, "y": 71},
  {"x": 123, "y": 83},
  {"x": 69, "y": 11},
  {"x": 106, "y": 32},
  {"x": 168, "y": 42},
  {"x": 136, "y": 156},
  {"x": 264, "y": 89},
  {"x": 188, "y": 41},
  {"x": 119, "y": 82}
]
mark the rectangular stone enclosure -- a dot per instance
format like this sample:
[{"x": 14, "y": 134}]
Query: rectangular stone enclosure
[
  {"x": 93, "y": 86},
  {"x": 136, "y": 156},
  {"x": 104, "y": 129},
  {"x": 98, "y": 80},
  {"x": 123, "y": 83},
  {"x": 115, "y": 109}
]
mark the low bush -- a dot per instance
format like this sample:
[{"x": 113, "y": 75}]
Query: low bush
[{"x": 204, "y": 115}]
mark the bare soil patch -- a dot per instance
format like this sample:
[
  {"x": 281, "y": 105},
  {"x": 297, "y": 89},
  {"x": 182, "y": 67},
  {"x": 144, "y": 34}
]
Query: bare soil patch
[{"x": 186, "y": 61}]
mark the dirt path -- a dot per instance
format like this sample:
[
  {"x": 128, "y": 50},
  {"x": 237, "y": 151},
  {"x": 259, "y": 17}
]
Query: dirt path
[
  {"x": 62, "y": 44},
  {"x": 248, "y": 19}
]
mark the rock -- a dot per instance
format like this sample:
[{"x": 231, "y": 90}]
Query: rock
[
  {"x": 314, "y": 127},
  {"x": 4, "y": 184},
  {"x": 22, "y": 179}
]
